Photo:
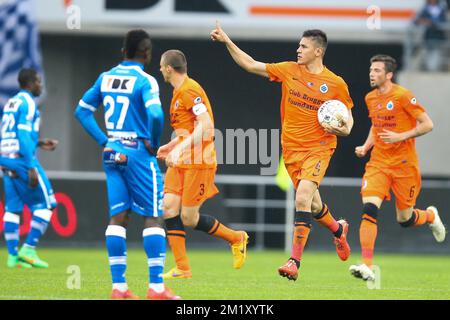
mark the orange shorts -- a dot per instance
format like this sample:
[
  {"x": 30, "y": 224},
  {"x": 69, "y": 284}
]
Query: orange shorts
[
  {"x": 193, "y": 185},
  {"x": 405, "y": 182},
  {"x": 307, "y": 165}
]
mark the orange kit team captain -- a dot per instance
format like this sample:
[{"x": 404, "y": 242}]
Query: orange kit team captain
[
  {"x": 191, "y": 161},
  {"x": 397, "y": 119},
  {"x": 307, "y": 146}
]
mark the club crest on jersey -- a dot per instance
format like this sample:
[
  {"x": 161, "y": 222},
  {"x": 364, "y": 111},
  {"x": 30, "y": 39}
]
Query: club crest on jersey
[
  {"x": 323, "y": 88},
  {"x": 115, "y": 83},
  {"x": 390, "y": 105},
  {"x": 197, "y": 100}
]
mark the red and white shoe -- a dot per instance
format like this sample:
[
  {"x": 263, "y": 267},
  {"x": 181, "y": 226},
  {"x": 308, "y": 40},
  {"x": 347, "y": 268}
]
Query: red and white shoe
[
  {"x": 165, "y": 295},
  {"x": 123, "y": 295},
  {"x": 342, "y": 246},
  {"x": 289, "y": 270}
]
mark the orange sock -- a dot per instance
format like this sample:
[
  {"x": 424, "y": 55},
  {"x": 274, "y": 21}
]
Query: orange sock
[
  {"x": 221, "y": 231},
  {"x": 326, "y": 219},
  {"x": 301, "y": 233},
  {"x": 423, "y": 216},
  {"x": 367, "y": 236},
  {"x": 177, "y": 242}
]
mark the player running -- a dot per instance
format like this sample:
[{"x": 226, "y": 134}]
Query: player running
[
  {"x": 24, "y": 179},
  {"x": 397, "y": 119},
  {"x": 134, "y": 121},
  {"x": 307, "y": 146},
  {"x": 191, "y": 161}
]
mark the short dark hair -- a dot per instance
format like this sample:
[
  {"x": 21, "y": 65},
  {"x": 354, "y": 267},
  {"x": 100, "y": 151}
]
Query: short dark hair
[
  {"x": 26, "y": 76},
  {"x": 134, "y": 42},
  {"x": 318, "y": 36},
  {"x": 176, "y": 59},
  {"x": 390, "y": 65}
]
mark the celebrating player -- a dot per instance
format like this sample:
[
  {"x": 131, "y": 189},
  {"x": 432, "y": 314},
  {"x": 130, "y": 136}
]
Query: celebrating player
[
  {"x": 307, "y": 146},
  {"x": 397, "y": 119},
  {"x": 24, "y": 179},
  {"x": 191, "y": 161},
  {"x": 134, "y": 121}
]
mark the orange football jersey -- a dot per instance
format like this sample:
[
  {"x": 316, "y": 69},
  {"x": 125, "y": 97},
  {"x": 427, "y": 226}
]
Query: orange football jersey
[
  {"x": 302, "y": 95},
  {"x": 182, "y": 120},
  {"x": 396, "y": 110}
]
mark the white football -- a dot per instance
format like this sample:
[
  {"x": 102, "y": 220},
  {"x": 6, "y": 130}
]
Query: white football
[{"x": 332, "y": 112}]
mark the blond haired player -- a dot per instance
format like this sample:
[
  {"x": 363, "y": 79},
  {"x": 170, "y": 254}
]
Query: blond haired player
[
  {"x": 397, "y": 119},
  {"x": 307, "y": 146},
  {"x": 191, "y": 161}
]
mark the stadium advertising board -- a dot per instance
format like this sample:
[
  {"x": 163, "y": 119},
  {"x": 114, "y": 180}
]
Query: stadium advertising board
[
  {"x": 80, "y": 216},
  {"x": 242, "y": 18}
]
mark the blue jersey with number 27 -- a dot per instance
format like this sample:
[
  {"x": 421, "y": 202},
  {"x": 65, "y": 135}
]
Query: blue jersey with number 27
[{"x": 131, "y": 101}]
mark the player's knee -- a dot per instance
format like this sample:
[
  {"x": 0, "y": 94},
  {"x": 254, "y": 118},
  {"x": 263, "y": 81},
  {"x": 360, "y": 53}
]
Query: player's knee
[
  {"x": 370, "y": 212},
  {"x": 189, "y": 218},
  {"x": 170, "y": 209},
  {"x": 303, "y": 202},
  {"x": 153, "y": 222},
  {"x": 167, "y": 206},
  {"x": 406, "y": 222},
  {"x": 120, "y": 219},
  {"x": 317, "y": 208},
  {"x": 168, "y": 214}
]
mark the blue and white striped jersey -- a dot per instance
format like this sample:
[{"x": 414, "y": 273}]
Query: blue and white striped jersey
[
  {"x": 20, "y": 126},
  {"x": 130, "y": 97}
]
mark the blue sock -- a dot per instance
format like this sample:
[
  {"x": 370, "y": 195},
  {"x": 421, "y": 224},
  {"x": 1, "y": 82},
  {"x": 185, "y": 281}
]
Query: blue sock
[
  {"x": 11, "y": 226},
  {"x": 39, "y": 224},
  {"x": 155, "y": 248},
  {"x": 117, "y": 252}
]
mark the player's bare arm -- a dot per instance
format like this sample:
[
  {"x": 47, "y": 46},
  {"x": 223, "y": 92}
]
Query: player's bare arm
[
  {"x": 424, "y": 125},
  {"x": 203, "y": 131},
  {"x": 48, "y": 144},
  {"x": 361, "y": 151},
  {"x": 164, "y": 150},
  {"x": 343, "y": 129},
  {"x": 240, "y": 57}
]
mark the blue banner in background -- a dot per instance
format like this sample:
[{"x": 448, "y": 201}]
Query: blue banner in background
[{"x": 19, "y": 44}]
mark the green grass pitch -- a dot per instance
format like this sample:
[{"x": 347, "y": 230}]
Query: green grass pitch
[{"x": 322, "y": 276}]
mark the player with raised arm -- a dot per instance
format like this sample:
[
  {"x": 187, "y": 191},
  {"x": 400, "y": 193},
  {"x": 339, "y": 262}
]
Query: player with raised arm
[
  {"x": 397, "y": 119},
  {"x": 307, "y": 146},
  {"x": 134, "y": 121},
  {"x": 191, "y": 161},
  {"x": 24, "y": 179}
]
